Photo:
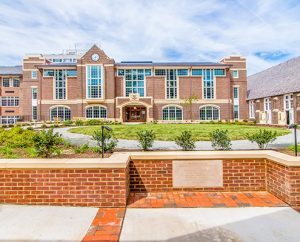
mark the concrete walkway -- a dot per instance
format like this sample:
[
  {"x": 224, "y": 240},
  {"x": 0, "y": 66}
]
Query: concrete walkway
[
  {"x": 44, "y": 223},
  {"x": 259, "y": 224},
  {"x": 80, "y": 139}
]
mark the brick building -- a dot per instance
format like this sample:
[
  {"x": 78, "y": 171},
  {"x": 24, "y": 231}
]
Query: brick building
[
  {"x": 274, "y": 94},
  {"x": 92, "y": 85}
]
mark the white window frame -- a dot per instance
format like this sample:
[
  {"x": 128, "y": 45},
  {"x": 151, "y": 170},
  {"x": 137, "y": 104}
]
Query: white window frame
[
  {"x": 102, "y": 85},
  {"x": 33, "y": 76},
  {"x": 172, "y": 106},
  {"x": 62, "y": 106},
  {"x": 167, "y": 83},
  {"x": 233, "y": 71},
  {"x": 267, "y": 104},
  {"x": 92, "y": 107},
  {"x": 251, "y": 109},
  {"x": 288, "y": 98},
  {"x": 212, "y": 80},
  {"x": 213, "y": 106},
  {"x": 124, "y": 81}
]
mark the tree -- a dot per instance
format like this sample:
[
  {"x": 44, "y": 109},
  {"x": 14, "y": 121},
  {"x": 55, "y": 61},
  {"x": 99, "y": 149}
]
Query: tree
[
  {"x": 185, "y": 141},
  {"x": 146, "y": 139},
  {"x": 189, "y": 102},
  {"x": 110, "y": 142},
  {"x": 262, "y": 138},
  {"x": 220, "y": 140}
]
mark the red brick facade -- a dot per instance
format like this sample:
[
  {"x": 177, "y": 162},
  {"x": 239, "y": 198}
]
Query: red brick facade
[
  {"x": 155, "y": 88},
  {"x": 238, "y": 175},
  {"x": 68, "y": 187}
]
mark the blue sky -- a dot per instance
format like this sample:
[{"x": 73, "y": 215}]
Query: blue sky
[{"x": 267, "y": 32}]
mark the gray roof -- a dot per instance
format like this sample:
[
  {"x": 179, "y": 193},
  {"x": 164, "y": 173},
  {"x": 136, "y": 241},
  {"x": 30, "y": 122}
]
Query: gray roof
[
  {"x": 277, "y": 80},
  {"x": 11, "y": 70},
  {"x": 150, "y": 63}
]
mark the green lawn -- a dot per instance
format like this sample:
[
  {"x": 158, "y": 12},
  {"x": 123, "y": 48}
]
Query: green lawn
[{"x": 170, "y": 131}]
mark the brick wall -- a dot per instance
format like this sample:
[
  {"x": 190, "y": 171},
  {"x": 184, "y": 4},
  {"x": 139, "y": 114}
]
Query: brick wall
[
  {"x": 71, "y": 187},
  {"x": 284, "y": 182},
  {"x": 238, "y": 175}
]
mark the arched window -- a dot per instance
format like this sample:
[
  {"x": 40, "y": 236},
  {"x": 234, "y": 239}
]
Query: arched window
[
  {"x": 209, "y": 113},
  {"x": 172, "y": 113},
  {"x": 96, "y": 112},
  {"x": 61, "y": 113}
]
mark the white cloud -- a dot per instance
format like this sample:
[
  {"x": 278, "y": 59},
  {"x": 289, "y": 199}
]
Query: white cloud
[{"x": 143, "y": 29}]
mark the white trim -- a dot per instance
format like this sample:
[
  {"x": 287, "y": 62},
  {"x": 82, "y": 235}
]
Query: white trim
[
  {"x": 102, "y": 81},
  {"x": 95, "y": 105},
  {"x": 238, "y": 74},
  {"x": 210, "y": 105},
  {"x": 172, "y": 105}
]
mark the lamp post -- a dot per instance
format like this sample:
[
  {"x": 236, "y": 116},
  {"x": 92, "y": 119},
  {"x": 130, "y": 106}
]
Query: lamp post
[
  {"x": 294, "y": 126},
  {"x": 102, "y": 137}
]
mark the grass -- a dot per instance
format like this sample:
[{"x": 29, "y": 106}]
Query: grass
[{"x": 168, "y": 132}]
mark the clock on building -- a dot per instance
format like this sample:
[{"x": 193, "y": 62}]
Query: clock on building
[{"x": 95, "y": 57}]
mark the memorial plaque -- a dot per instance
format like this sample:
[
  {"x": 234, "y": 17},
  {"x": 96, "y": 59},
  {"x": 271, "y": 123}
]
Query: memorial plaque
[{"x": 197, "y": 173}]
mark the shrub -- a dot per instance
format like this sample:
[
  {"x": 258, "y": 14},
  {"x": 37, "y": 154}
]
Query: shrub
[
  {"x": 47, "y": 143},
  {"x": 44, "y": 126},
  {"x": 79, "y": 122},
  {"x": 185, "y": 141},
  {"x": 220, "y": 140},
  {"x": 94, "y": 122},
  {"x": 262, "y": 138},
  {"x": 81, "y": 149},
  {"x": 68, "y": 123},
  {"x": 146, "y": 139},
  {"x": 16, "y": 137},
  {"x": 109, "y": 144},
  {"x": 292, "y": 148}
]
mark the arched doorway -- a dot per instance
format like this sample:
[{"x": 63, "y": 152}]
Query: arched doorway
[{"x": 135, "y": 114}]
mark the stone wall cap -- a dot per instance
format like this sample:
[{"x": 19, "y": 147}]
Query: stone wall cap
[
  {"x": 117, "y": 160},
  {"x": 275, "y": 156}
]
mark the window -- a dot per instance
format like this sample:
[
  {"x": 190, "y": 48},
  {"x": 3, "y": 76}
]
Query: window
[
  {"x": 71, "y": 72},
  {"x": 5, "y": 82},
  {"x": 172, "y": 113},
  {"x": 160, "y": 72},
  {"x": 94, "y": 81},
  {"x": 196, "y": 72},
  {"x": 236, "y": 112},
  {"x": 209, "y": 113},
  {"x": 251, "y": 109},
  {"x": 148, "y": 72},
  {"x": 235, "y": 92},
  {"x": 61, "y": 113},
  {"x": 182, "y": 72},
  {"x": 267, "y": 104},
  {"x": 121, "y": 72},
  {"x": 135, "y": 82},
  {"x": 288, "y": 102},
  {"x": 49, "y": 72},
  {"x": 171, "y": 84},
  {"x": 9, "y": 119},
  {"x": 34, "y": 112},
  {"x": 235, "y": 73},
  {"x": 34, "y": 93},
  {"x": 10, "y": 101},
  {"x": 208, "y": 84},
  {"x": 33, "y": 74},
  {"x": 96, "y": 112},
  {"x": 60, "y": 84},
  {"x": 16, "y": 82},
  {"x": 220, "y": 72}
]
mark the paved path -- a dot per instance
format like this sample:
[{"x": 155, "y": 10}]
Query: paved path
[
  {"x": 259, "y": 224},
  {"x": 80, "y": 139},
  {"x": 44, "y": 223}
]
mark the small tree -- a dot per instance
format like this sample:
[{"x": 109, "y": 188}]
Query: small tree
[
  {"x": 220, "y": 140},
  {"x": 146, "y": 139},
  {"x": 110, "y": 142},
  {"x": 262, "y": 138},
  {"x": 185, "y": 141},
  {"x": 189, "y": 102},
  {"x": 47, "y": 143}
]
